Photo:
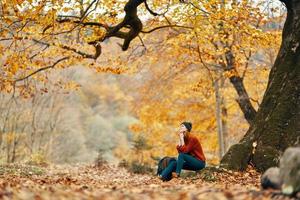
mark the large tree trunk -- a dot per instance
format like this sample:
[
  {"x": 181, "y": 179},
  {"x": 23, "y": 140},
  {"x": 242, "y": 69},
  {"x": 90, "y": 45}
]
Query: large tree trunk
[{"x": 277, "y": 123}]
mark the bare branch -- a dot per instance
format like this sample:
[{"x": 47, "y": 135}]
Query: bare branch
[
  {"x": 168, "y": 6},
  {"x": 5, "y": 39},
  {"x": 256, "y": 101},
  {"x": 38, "y": 52},
  {"x": 84, "y": 23},
  {"x": 83, "y": 54},
  {"x": 42, "y": 69},
  {"x": 143, "y": 44},
  {"x": 154, "y": 13},
  {"x": 83, "y": 16},
  {"x": 247, "y": 63},
  {"x": 87, "y": 14},
  {"x": 68, "y": 16},
  {"x": 205, "y": 64},
  {"x": 197, "y": 7},
  {"x": 167, "y": 26}
]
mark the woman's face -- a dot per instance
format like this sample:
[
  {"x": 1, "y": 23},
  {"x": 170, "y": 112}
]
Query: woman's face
[{"x": 183, "y": 129}]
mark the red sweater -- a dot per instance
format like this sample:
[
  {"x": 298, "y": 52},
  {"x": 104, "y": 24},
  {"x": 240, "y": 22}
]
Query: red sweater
[{"x": 192, "y": 147}]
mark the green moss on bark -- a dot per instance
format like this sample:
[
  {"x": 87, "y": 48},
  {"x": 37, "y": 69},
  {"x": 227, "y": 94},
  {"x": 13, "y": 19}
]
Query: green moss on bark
[
  {"x": 237, "y": 156},
  {"x": 265, "y": 157}
]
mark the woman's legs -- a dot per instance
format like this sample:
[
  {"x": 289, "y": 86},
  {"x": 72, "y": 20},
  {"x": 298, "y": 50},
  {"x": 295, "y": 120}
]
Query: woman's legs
[
  {"x": 167, "y": 172},
  {"x": 186, "y": 161}
]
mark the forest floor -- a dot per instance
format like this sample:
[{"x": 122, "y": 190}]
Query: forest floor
[{"x": 109, "y": 182}]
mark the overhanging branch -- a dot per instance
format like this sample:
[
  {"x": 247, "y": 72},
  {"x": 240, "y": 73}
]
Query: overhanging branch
[
  {"x": 166, "y": 26},
  {"x": 41, "y": 69},
  {"x": 81, "y": 53}
]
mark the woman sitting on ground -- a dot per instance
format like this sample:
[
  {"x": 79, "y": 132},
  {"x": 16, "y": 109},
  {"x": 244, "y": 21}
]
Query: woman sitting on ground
[{"x": 191, "y": 156}]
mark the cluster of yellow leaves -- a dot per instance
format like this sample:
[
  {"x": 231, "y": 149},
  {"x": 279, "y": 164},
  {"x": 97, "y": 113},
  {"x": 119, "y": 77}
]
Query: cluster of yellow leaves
[{"x": 31, "y": 38}]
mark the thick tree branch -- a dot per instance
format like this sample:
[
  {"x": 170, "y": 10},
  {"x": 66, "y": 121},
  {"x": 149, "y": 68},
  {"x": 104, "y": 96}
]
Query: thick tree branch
[
  {"x": 237, "y": 82},
  {"x": 131, "y": 21}
]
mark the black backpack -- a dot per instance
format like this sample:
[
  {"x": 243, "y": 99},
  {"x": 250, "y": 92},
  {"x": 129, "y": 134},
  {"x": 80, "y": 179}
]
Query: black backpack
[{"x": 163, "y": 163}]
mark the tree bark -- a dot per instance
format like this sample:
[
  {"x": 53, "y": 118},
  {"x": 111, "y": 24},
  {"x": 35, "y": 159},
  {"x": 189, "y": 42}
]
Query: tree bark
[
  {"x": 276, "y": 125},
  {"x": 238, "y": 84},
  {"x": 243, "y": 99}
]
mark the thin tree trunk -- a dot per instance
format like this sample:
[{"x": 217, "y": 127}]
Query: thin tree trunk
[
  {"x": 276, "y": 125},
  {"x": 219, "y": 118},
  {"x": 224, "y": 116},
  {"x": 224, "y": 123},
  {"x": 14, "y": 152}
]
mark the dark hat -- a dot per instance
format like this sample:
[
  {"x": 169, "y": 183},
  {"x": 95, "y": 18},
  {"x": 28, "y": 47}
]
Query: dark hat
[{"x": 188, "y": 125}]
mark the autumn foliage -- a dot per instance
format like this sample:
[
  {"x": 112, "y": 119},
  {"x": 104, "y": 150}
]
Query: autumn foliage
[
  {"x": 79, "y": 85},
  {"x": 181, "y": 55}
]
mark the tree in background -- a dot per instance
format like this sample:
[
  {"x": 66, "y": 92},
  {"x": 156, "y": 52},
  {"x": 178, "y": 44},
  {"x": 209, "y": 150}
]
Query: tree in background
[{"x": 29, "y": 126}]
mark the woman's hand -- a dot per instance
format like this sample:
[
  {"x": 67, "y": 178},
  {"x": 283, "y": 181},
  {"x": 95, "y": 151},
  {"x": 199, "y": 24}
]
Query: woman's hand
[
  {"x": 181, "y": 138},
  {"x": 181, "y": 134}
]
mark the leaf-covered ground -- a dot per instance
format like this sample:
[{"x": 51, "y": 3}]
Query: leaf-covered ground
[{"x": 109, "y": 182}]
